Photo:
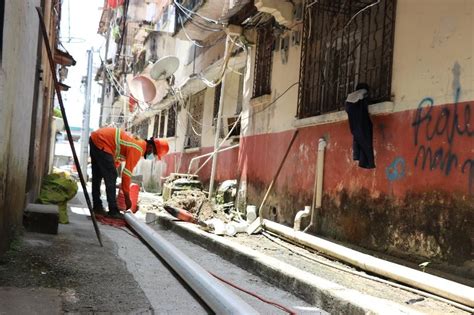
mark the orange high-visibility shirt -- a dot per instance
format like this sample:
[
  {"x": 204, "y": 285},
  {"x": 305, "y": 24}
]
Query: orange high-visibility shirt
[{"x": 128, "y": 149}]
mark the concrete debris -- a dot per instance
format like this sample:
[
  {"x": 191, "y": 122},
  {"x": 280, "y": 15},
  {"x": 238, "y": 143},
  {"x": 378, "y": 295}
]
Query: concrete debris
[
  {"x": 227, "y": 192},
  {"x": 196, "y": 202},
  {"x": 180, "y": 182}
]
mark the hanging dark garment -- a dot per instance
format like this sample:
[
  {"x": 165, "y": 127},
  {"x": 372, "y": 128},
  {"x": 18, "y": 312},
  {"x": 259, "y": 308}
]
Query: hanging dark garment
[{"x": 361, "y": 128}]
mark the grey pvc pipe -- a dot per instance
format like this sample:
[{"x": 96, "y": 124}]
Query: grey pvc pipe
[
  {"x": 433, "y": 284},
  {"x": 218, "y": 297}
]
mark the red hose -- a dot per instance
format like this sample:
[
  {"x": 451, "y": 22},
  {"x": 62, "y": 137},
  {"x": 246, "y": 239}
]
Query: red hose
[{"x": 281, "y": 307}]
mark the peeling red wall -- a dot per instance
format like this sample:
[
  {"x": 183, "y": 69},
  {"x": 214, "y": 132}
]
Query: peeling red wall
[
  {"x": 401, "y": 142},
  {"x": 417, "y": 202}
]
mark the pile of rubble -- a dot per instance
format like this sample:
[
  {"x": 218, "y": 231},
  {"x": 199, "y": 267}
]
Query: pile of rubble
[{"x": 184, "y": 192}]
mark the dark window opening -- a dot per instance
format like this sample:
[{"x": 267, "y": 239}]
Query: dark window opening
[
  {"x": 162, "y": 125},
  {"x": 264, "y": 59},
  {"x": 171, "y": 128},
  {"x": 141, "y": 129},
  {"x": 231, "y": 121},
  {"x": 240, "y": 92},
  {"x": 194, "y": 128},
  {"x": 156, "y": 125},
  {"x": 217, "y": 100},
  {"x": 341, "y": 49}
]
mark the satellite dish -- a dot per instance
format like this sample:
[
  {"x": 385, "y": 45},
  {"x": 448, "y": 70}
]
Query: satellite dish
[
  {"x": 164, "y": 68},
  {"x": 142, "y": 88}
]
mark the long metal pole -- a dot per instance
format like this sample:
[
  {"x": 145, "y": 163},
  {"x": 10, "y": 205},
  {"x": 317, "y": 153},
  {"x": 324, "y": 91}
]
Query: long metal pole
[
  {"x": 104, "y": 76},
  {"x": 86, "y": 113},
  {"x": 218, "y": 297},
  {"x": 218, "y": 128},
  {"x": 52, "y": 66}
]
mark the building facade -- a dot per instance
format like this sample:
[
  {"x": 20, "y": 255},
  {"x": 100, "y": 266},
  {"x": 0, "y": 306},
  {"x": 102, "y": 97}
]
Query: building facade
[
  {"x": 26, "y": 107},
  {"x": 291, "y": 69}
]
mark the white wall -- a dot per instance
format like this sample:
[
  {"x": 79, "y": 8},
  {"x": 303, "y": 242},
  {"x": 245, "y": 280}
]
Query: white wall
[
  {"x": 17, "y": 81},
  {"x": 431, "y": 38}
]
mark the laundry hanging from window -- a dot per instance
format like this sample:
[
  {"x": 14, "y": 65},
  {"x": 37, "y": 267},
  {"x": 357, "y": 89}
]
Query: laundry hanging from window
[{"x": 357, "y": 104}]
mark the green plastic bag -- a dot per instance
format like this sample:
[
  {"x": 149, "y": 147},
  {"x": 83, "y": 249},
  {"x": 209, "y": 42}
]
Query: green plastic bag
[{"x": 58, "y": 189}]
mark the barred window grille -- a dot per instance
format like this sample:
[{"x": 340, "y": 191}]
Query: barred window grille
[
  {"x": 171, "y": 128},
  {"x": 217, "y": 100},
  {"x": 156, "y": 125},
  {"x": 264, "y": 59},
  {"x": 143, "y": 129},
  {"x": 161, "y": 134},
  {"x": 345, "y": 42},
  {"x": 195, "y": 115}
]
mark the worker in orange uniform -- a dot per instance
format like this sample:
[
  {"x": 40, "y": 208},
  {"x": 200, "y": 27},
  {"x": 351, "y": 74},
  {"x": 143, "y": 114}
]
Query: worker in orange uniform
[{"x": 107, "y": 147}]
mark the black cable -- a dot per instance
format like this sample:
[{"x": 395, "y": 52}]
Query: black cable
[{"x": 275, "y": 100}]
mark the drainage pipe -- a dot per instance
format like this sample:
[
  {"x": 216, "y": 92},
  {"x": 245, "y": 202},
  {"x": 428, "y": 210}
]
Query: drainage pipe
[
  {"x": 300, "y": 215},
  {"x": 218, "y": 297},
  {"x": 209, "y": 154},
  {"x": 430, "y": 283},
  {"x": 318, "y": 182}
]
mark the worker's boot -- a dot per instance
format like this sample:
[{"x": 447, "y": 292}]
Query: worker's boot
[
  {"x": 115, "y": 214},
  {"x": 99, "y": 210}
]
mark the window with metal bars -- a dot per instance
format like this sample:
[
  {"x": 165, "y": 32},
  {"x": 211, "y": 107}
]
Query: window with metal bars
[
  {"x": 171, "y": 127},
  {"x": 217, "y": 100},
  {"x": 194, "y": 128},
  {"x": 264, "y": 59},
  {"x": 142, "y": 131},
  {"x": 345, "y": 42},
  {"x": 156, "y": 125},
  {"x": 161, "y": 134}
]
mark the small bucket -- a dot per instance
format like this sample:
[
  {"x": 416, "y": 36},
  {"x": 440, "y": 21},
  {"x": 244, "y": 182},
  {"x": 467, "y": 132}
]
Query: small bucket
[{"x": 134, "y": 192}]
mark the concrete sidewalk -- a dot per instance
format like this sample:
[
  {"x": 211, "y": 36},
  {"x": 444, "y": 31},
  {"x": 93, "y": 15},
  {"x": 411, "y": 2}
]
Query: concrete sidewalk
[{"x": 68, "y": 272}]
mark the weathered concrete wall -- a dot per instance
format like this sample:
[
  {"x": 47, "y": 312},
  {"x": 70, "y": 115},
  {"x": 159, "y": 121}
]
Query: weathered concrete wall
[
  {"x": 423, "y": 199},
  {"x": 419, "y": 201},
  {"x": 17, "y": 81},
  {"x": 422, "y": 188}
]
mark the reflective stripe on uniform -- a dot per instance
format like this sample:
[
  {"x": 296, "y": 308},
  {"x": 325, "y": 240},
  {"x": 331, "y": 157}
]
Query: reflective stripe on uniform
[
  {"x": 117, "y": 143},
  {"x": 132, "y": 145},
  {"x": 127, "y": 172}
]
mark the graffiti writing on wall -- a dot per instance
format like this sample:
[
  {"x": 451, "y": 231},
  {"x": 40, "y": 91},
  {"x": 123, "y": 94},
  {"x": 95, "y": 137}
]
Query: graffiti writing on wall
[
  {"x": 396, "y": 170},
  {"x": 450, "y": 123}
]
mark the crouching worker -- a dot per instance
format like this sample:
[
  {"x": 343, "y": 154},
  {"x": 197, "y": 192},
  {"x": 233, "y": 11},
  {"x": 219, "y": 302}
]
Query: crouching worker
[{"x": 108, "y": 146}]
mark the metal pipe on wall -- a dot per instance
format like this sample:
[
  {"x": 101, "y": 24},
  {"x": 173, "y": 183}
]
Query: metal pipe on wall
[
  {"x": 86, "y": 112},
  {"x": 209, "y": 154},
  {"x": 318, "y": 182},
  {"x": 317, "y": 190},
  {"x": 218, "y": 297},
  {"x": 430, "y": 283}
]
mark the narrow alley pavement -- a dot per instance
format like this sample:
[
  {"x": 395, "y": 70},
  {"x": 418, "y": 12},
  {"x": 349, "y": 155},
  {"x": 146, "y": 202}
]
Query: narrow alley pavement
[{"x": 71, "y": 273}]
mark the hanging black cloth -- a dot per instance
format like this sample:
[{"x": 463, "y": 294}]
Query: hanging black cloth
[{"x": 357, "y": 104}]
